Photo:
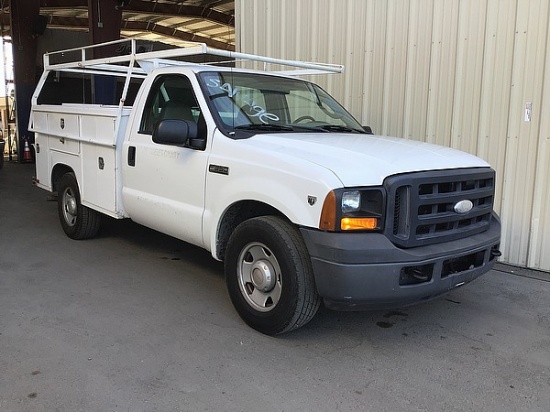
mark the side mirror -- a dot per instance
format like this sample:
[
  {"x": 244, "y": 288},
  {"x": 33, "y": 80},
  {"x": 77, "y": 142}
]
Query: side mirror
[
  {"x": 368, "y": 129},
  {"x": 174, "y": 132}
]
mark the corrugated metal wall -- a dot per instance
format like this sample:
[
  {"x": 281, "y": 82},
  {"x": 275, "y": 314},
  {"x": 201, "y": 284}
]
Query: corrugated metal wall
[{"x": 459, "y": 73}]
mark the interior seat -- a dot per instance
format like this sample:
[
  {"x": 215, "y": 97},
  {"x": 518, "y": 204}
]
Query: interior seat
[{"x": 177, "y": 110}]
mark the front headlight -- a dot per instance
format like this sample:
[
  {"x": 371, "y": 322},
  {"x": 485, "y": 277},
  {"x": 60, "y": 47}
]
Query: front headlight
[
  {"x": 351, "y": 201},
  {"x": 357, "y": 209}
]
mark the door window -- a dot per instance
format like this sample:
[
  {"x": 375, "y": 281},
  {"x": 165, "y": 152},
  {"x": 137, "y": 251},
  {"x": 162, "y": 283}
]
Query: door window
[{"x": 171, "y": 97}]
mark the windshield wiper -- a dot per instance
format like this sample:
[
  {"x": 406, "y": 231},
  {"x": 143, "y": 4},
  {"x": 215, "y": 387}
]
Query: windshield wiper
[
  {"x": 335, "y": 128},
  {"x": 265, "y": 127}
]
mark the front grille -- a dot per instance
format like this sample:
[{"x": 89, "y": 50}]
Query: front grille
[{"x": 422, "y": 205}]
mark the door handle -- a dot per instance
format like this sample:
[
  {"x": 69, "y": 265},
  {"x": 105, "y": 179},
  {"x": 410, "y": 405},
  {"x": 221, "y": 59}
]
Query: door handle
[{"x": 131, "y": 156}]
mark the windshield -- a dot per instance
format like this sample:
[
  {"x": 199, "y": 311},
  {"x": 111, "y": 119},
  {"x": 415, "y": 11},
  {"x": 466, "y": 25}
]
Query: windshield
[{"x": 256, "y": 102}]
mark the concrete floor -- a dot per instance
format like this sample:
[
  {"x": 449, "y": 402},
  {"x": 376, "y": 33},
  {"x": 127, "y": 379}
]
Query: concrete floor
[{"x": 137, "y": 321}]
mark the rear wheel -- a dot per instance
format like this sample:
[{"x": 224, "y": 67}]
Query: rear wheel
[
  {"x": 78, "y": 221},
  {"x": 269, "y": 275}
]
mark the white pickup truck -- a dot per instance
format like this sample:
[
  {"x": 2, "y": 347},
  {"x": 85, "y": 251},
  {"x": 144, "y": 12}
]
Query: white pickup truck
[{"x": 267, "y": 172}]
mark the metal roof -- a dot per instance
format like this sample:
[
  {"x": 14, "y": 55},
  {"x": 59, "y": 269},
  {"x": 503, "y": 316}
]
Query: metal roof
[{"x": 170, "y": 21}]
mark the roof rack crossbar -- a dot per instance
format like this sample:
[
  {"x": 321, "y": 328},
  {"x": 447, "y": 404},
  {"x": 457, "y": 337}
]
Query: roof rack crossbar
[{"x": 161, "y": 56}]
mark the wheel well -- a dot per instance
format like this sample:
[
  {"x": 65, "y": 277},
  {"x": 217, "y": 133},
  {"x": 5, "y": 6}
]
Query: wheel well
[
  {"x": 235, "y": 215},
  {"x": 58, "y": 171}
]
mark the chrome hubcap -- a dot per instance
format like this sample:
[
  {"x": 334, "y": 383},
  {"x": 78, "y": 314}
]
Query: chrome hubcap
[
  {"x": 259, "y": 277},
  {"x": 262, "y": 276},
  {"x": 70, "y": 207}
]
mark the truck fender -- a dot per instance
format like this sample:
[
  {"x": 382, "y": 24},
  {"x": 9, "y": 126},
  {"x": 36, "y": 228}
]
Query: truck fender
[{"x": 275, "y": 199}]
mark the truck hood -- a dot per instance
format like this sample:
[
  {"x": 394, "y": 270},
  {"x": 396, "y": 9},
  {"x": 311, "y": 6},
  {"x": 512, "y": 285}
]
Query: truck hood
[{"x": 359, "y": 160}]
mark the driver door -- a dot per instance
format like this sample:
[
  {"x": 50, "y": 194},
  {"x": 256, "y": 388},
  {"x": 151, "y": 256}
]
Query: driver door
[{"x": 164, "y": 184}]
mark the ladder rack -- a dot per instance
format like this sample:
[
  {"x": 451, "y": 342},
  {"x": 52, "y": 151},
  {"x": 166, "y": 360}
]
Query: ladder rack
[
  {"x": 126, "y": 60},
  {"x": 147, "y": 61}
]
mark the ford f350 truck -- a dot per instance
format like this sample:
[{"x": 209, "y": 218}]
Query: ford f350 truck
[{"x": 267, "y": 172}]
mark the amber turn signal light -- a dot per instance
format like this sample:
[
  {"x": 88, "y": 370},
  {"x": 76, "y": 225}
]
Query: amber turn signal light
[
  {"x": 359, "y": 223},
  {"x": 328, "y": 214}
]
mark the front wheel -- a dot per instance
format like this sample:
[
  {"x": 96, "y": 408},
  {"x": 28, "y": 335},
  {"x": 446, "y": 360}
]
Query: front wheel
[
  {"x": 269, "y": 275},
  {"x": 78, "y": 221}
]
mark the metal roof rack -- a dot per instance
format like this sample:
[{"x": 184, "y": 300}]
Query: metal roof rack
[
  {"x": 149, "y": 60},
  {"x": 126, "y": 59},
  {"x": 136, "y": 63}
]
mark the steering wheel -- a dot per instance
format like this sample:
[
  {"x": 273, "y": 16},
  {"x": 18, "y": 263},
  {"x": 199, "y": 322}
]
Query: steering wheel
[{"x": 302, "y": 118}]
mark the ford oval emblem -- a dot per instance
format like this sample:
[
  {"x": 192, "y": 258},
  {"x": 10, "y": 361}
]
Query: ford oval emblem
[{"x": 464, "y": 206}]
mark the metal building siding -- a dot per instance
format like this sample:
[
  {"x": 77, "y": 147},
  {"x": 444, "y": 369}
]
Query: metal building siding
[
  {"x": 530, "y": 55},
  {"x": 417, "y": 68},
  {"x": 539, "y": 256},
  {"x": 453, "y": 72},
  {"x": 495, "y": 89},
  {"x": 442, "y": 72},
  {"x": 393, "y": 101},
  {"x": 469, "y": 65}
]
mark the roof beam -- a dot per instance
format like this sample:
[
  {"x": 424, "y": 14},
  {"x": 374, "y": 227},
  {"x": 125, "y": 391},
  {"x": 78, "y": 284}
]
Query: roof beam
[
  {"x": 151, "y": 7},
  {"x": 167, "y": 9},
  {"x": 137, "y": 26},
  {"x": 174, "y": 33}
]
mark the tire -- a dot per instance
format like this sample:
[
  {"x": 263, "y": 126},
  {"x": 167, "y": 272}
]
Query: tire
[
  {"x": 269, "y": 275},
  {"x": 78, "y": 221}
]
